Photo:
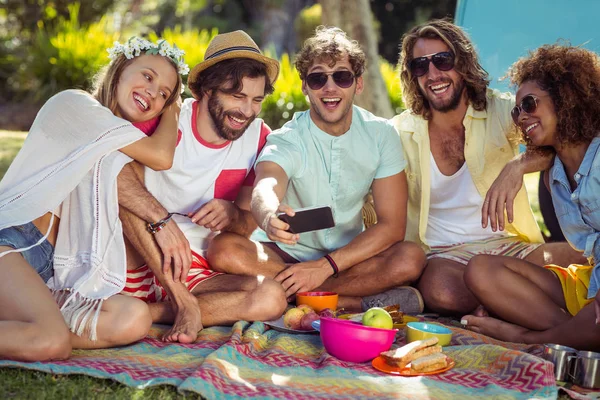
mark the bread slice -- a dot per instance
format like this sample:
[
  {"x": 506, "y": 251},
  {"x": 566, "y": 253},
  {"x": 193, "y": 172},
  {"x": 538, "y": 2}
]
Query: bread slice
[
  {"x": 402, "y": 356},
  {"x": 429, "y": 363}
]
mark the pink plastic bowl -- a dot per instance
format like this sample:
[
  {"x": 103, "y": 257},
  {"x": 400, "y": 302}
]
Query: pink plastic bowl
[{"x": 352, "y": 341}]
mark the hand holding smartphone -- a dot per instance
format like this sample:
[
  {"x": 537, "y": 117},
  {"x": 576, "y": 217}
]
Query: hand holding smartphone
[{"x": 309, "y": 219}]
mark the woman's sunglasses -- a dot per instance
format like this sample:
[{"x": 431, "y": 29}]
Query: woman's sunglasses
[
  {"x": 444, "y": 61},
  {"x": 528, "y": 104},
  {"x": 317, "y": 80}
]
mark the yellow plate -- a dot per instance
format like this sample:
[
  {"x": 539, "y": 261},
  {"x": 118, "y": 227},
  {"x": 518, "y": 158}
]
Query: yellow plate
[{"x": 406, "y": 318}]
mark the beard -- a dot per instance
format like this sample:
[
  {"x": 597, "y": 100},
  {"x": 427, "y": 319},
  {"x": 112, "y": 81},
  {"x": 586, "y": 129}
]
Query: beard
[
  {"x": 453, "y": 102},
  {"x": 219, "y": 115}
]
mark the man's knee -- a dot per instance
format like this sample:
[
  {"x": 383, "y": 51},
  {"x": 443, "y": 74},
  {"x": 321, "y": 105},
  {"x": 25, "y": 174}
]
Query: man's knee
[
  {"x": 45, "y": 343},
  {"x": 268, "y": 301},
  {"x": 407, "y": 261},
  {"x": 223, "y": 252},
  {"x": 132, "y": 323}
]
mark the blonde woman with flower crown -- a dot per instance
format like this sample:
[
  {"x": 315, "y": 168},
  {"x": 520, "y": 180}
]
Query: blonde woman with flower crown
[{"x": 62, "y": 254}]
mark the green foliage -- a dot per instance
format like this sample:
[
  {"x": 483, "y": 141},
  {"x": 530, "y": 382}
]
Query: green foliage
[
  {"x": 287, "y": 98},
  {"x": 194, "y": 42},
  {"x": 306, "y": 22},
  {"x": 67, "y": 57},
  {"x": 391, "y": 77}
]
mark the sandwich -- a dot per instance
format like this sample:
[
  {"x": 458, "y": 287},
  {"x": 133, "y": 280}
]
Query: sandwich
[
  {"x": 432, "y": 362},
  {"x": 405, "y": 355}
]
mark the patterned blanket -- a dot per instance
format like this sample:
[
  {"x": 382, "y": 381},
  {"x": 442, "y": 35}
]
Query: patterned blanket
[{"x": 249, "y": 360}]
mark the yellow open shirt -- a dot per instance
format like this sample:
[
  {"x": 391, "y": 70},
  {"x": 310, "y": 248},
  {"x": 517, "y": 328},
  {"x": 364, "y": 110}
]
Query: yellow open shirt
[{"x": 491, "y": 141}]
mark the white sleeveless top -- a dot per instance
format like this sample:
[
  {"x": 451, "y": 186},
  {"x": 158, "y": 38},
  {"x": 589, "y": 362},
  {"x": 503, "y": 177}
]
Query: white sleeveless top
[{"x": 455, "y": 209}]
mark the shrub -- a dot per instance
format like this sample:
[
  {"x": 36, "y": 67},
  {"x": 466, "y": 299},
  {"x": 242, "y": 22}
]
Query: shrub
[
  {"x": 194, "y": 42},
  {"x": 392, "y": 83},
  {"x": 287, "y": 98},
  {"x": 68, "y": 57}
]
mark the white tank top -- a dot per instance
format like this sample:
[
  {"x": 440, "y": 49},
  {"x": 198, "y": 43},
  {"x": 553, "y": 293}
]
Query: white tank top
[{"x": 455, "y": 209}]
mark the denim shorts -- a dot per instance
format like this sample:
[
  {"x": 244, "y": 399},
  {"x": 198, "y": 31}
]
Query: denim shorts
[{"x": 39, "y": 257}]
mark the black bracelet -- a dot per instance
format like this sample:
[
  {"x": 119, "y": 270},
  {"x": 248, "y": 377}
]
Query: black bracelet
[
  {"x": 336, "y": 270},
  {"x": 156, "y": 227}
]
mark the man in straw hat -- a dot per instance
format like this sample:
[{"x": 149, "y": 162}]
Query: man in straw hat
[
  {"x": 331, "y": 155},
  {"x": 171, "y": 221}
]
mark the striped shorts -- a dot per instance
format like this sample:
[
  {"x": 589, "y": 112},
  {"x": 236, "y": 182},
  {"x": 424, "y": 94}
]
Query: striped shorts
[
  {"x": 510, "y": 246},
  {"x": 142, "y": 284}
]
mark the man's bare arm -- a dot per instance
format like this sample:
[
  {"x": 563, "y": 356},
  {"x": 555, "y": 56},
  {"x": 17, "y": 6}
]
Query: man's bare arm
[
  {"x": 390, "y": 197},
  {"x": 243, "y": 224},
  {"x": 271, "y": 185},
  {"x": 134, "y": 197}
]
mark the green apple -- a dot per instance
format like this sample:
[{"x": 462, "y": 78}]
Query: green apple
[{"x": 377, "y": 318}]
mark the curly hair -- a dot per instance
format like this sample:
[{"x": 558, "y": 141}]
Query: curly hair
[
  {"x": 571, "y": 76},
  {"x": 330, "y": 44},
  {"x": 466, "y": 65}
]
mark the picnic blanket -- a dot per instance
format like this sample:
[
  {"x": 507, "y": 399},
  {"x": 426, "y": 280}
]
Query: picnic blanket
[{"x": 253, "y": 361}]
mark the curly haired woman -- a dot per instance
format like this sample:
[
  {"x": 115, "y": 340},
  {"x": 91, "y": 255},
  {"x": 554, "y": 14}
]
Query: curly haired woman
[{"x": 558, "y": 106}]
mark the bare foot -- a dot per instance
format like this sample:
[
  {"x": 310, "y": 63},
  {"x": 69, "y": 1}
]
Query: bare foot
[
  {"x": 187, "y": 324},
  {"x": 495, "y": 328},
  {"x": 480, "y": 311}
]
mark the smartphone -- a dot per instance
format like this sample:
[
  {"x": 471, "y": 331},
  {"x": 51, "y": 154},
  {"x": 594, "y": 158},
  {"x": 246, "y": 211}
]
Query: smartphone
[{"x": 309, "y": 219}]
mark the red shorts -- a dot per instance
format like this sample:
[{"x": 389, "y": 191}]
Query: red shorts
[{"x": 142, "y": 284}]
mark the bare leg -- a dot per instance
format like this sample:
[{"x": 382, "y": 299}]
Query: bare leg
[
  {"x": 443, "y": 288},
  {"x": 579, "y": 332},
  {"x": 235, "y": 254},
  {"x": 122, "y": 320},
  {"x": 226, "y": 299},
  {"x": 517, "y": 291},
  {"x": 188, "y": 322},
  {"x": 559, "y": 253},
  {"x": 31, "y": 325},
  {"x": 399, "y": 265}
]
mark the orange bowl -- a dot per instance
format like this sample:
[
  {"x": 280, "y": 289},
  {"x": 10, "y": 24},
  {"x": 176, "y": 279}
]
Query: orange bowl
[{"x": 318, "y": 301}]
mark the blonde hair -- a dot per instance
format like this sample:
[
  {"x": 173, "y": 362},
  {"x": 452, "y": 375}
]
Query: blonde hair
[
  {"x": 466, "y": 65},
  {"x": 105, "y": 84}
]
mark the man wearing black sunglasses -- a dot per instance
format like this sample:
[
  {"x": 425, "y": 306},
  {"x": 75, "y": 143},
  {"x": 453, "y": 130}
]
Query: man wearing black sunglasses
[
  {"x": 463, "y": 166},
  {"x": 331, "y": 155}
]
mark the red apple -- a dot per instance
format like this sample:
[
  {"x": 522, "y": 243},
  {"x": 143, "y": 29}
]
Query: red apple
[{"x": 307, "y": 320}]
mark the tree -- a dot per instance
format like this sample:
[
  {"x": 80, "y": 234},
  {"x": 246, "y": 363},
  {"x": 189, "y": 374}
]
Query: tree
[{"x": 355, "y": 18}]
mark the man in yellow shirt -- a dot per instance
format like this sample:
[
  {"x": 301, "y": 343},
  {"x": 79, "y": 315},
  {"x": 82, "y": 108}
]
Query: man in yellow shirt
[{"x": 458, "y": 138}]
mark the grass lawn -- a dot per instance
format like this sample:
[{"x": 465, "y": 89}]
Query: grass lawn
[{"x": 24, "y": 384}]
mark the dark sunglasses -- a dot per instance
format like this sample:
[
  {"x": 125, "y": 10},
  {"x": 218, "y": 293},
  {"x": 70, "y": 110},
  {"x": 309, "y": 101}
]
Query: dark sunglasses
[
  {"x": 444, "y": 61},
  {"x": 317, "y": 80},
  {"x": 528, "y": 104}
]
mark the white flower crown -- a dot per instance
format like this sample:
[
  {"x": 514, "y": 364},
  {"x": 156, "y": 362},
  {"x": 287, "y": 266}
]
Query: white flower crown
[{"x": 135, "y": 46}]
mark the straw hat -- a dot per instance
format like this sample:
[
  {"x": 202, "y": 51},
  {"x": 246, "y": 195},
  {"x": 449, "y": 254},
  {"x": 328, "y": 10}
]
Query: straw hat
[{"x": 236, "y": 44}]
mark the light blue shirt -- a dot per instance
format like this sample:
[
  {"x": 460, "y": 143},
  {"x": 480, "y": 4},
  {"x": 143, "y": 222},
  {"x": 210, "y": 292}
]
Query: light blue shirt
[
  {"x": 578, "y": 212},
  {"x": 325, "y": 170}
]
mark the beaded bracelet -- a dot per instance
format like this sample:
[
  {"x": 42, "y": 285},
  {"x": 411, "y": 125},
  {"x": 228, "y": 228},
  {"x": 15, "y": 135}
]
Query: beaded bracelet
[{"x": 336, "y": 270}]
